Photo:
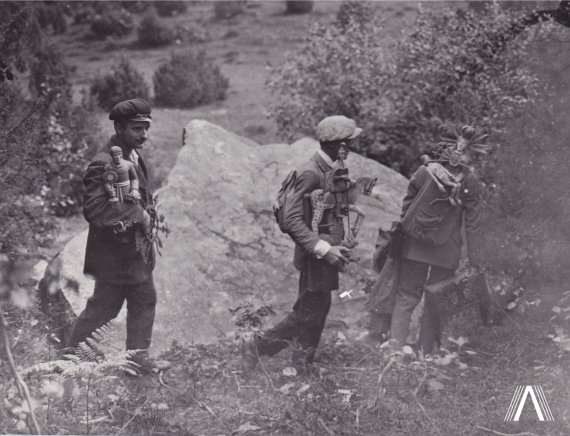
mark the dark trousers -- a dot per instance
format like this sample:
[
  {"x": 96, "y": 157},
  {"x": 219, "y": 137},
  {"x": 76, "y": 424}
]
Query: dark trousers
[
  {"x": 105, "y": 304},
  {"x": 307, "y": 320},
  {"x": 413, "y": 278}
]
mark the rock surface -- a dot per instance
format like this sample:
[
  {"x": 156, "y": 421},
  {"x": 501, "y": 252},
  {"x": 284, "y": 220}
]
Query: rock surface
[{"x": 225, "y": 248}]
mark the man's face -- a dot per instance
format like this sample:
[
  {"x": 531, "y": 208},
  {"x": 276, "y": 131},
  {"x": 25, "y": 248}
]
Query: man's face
[{"x": 134, "y": 133}]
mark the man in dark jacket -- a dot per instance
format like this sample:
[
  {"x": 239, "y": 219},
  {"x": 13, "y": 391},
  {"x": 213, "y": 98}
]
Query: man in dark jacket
[
  {"x": 318, "y": 256},
  {"x": 121, "y": 268},
  {"x": 432, "y": 217}
]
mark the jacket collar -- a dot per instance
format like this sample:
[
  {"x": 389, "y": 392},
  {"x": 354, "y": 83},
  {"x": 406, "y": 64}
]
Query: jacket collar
[{"x": 323, "y": 165}]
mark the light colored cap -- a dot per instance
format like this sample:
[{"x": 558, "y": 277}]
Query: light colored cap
[{"x": 337, "y": 127}]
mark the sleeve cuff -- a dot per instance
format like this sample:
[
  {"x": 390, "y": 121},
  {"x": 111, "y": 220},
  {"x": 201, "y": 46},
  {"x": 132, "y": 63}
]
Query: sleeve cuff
[{"x": 321, "y": 249}]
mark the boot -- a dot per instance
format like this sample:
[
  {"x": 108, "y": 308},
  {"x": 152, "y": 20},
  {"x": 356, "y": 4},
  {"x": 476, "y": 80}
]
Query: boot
[
  {"x": 379, "y": 326},
  {"x": 143, "y": 364}
]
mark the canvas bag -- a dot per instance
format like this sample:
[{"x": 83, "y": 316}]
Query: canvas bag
[{"x": 280, "y": 204}]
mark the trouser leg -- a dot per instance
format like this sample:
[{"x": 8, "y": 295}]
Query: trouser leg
[
  {"x": 314, "y": 308},
  {"x": 431, "y": 323},
  {"x": 102, "y": 307},
  {"x": 305, "y": 323},
  {"x": 141, "y": 306},
  {"x": 401, "y": 315},
  {"x": 413, "y": 278}
]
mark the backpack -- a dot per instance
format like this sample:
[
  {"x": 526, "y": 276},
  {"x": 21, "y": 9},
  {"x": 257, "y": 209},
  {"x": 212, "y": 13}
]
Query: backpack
[
  {"x": 425, "y": 218},
  {"x": 280, "y": 205}
]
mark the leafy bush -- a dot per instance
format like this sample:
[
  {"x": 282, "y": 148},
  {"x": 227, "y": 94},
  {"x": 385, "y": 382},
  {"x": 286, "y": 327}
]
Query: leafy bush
[
  {"x": 112, "y": 22},
  {"x": 228, "y": 9},
  {"x": 122, "y": 83},
  {"x": 44, "y": 138},
  {"x": 52, "y": 14},
  {"x": 454, "y": 65},
  {"x": 170, "y": 8},
  {"x": 188, "y": 80},
  {"x": 528, "y": 214},
  {"x": 359, "y": 12},
  {"x": 442, "y": 70},
  {"x": 299, "y": 6},
  {"x": 153, "y": 33}
]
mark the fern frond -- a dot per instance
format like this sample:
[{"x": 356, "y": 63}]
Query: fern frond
[
  {"x": 54, "y": 366},
  {"x": 102, "y": 332}
]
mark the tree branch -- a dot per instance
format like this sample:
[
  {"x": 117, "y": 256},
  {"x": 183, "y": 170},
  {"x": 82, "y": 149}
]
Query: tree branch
[{"x": 22, "y": 387}]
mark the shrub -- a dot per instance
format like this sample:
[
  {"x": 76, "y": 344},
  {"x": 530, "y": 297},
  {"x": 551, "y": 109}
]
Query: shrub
[
  {"x": 299, "y": 6},
  {"x": 452, "y": 66},
  {"x": 170, "y": 8},
  {"x": 228, "y": 9},
  {"x": 112, "y": 22},
  {"x": 42, "y": 162},
  {"x": 153, "y": 33},
  {"x": 122, "y": 83},
  {"x": 402, "y": 97},
  {"x": 359, "y": 12},
  {"x": 188, "y": 80},
  {"x": 52, "y": 14}
]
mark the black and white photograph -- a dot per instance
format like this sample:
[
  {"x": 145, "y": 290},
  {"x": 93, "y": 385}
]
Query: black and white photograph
[{"x": 274, "y": 217}]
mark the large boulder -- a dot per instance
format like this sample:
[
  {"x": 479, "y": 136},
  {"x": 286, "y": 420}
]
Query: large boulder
[{"x": 225, "y": 247}]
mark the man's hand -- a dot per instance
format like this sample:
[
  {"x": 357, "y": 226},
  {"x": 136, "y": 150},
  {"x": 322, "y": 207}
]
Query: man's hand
[
  {"x": 147, "y": 226},
  {"x": 337, "y": 255}
]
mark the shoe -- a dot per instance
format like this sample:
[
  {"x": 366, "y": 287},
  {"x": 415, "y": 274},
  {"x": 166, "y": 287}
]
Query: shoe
[
  {"x": 302, "y": 361},
  {"x": 307, "y": 370},
  {"x": 142, "y": 363},
  {"x": 249, "y": 355}
]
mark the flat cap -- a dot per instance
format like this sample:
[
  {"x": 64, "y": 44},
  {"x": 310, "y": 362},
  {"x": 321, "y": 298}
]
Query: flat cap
[
  {"x": 337, "y": 127},
  {"x": 131, "y": 110}
]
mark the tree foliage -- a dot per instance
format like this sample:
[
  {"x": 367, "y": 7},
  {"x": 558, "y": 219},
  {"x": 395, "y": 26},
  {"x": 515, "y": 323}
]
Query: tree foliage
[
  {"x": 402, "y": 92},
  {"x": 188, "y": 80},
  {"x": 123, "y": 82},
  {"x": 43, "y": 138},
  {"x": 455, "y": 65},
  {"x": 153, "y": 33}
]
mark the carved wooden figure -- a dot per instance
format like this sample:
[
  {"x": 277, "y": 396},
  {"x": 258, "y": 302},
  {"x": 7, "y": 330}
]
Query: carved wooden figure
[{"x": 343, "y": 201}]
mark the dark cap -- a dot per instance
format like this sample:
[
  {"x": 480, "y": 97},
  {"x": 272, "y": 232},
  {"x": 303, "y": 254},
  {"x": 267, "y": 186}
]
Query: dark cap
[{"x": 131, "y": 110}]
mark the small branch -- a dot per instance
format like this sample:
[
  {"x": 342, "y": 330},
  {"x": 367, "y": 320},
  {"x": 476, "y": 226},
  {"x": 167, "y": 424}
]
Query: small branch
[
  {"x": 420, "y": 384},
  {"x": 132, "y": 417},
  {"x": 325, "y": 427},
  {"x": 35, "y": 107},
  {"x": 428, "y": 417},
  {"x": 161, "y": 381},
  {"x": 386, "y": 368},
  {"x": 526, "y": 433},
  {"x": 266, "y": 374},
  {"x": 204, "y": 406},
  {"x": 349, "y": 368},
  {"x": 237, "y": 382},
  {"x": 21, "y": 385},
  {"x": 87, "y": 402}
]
